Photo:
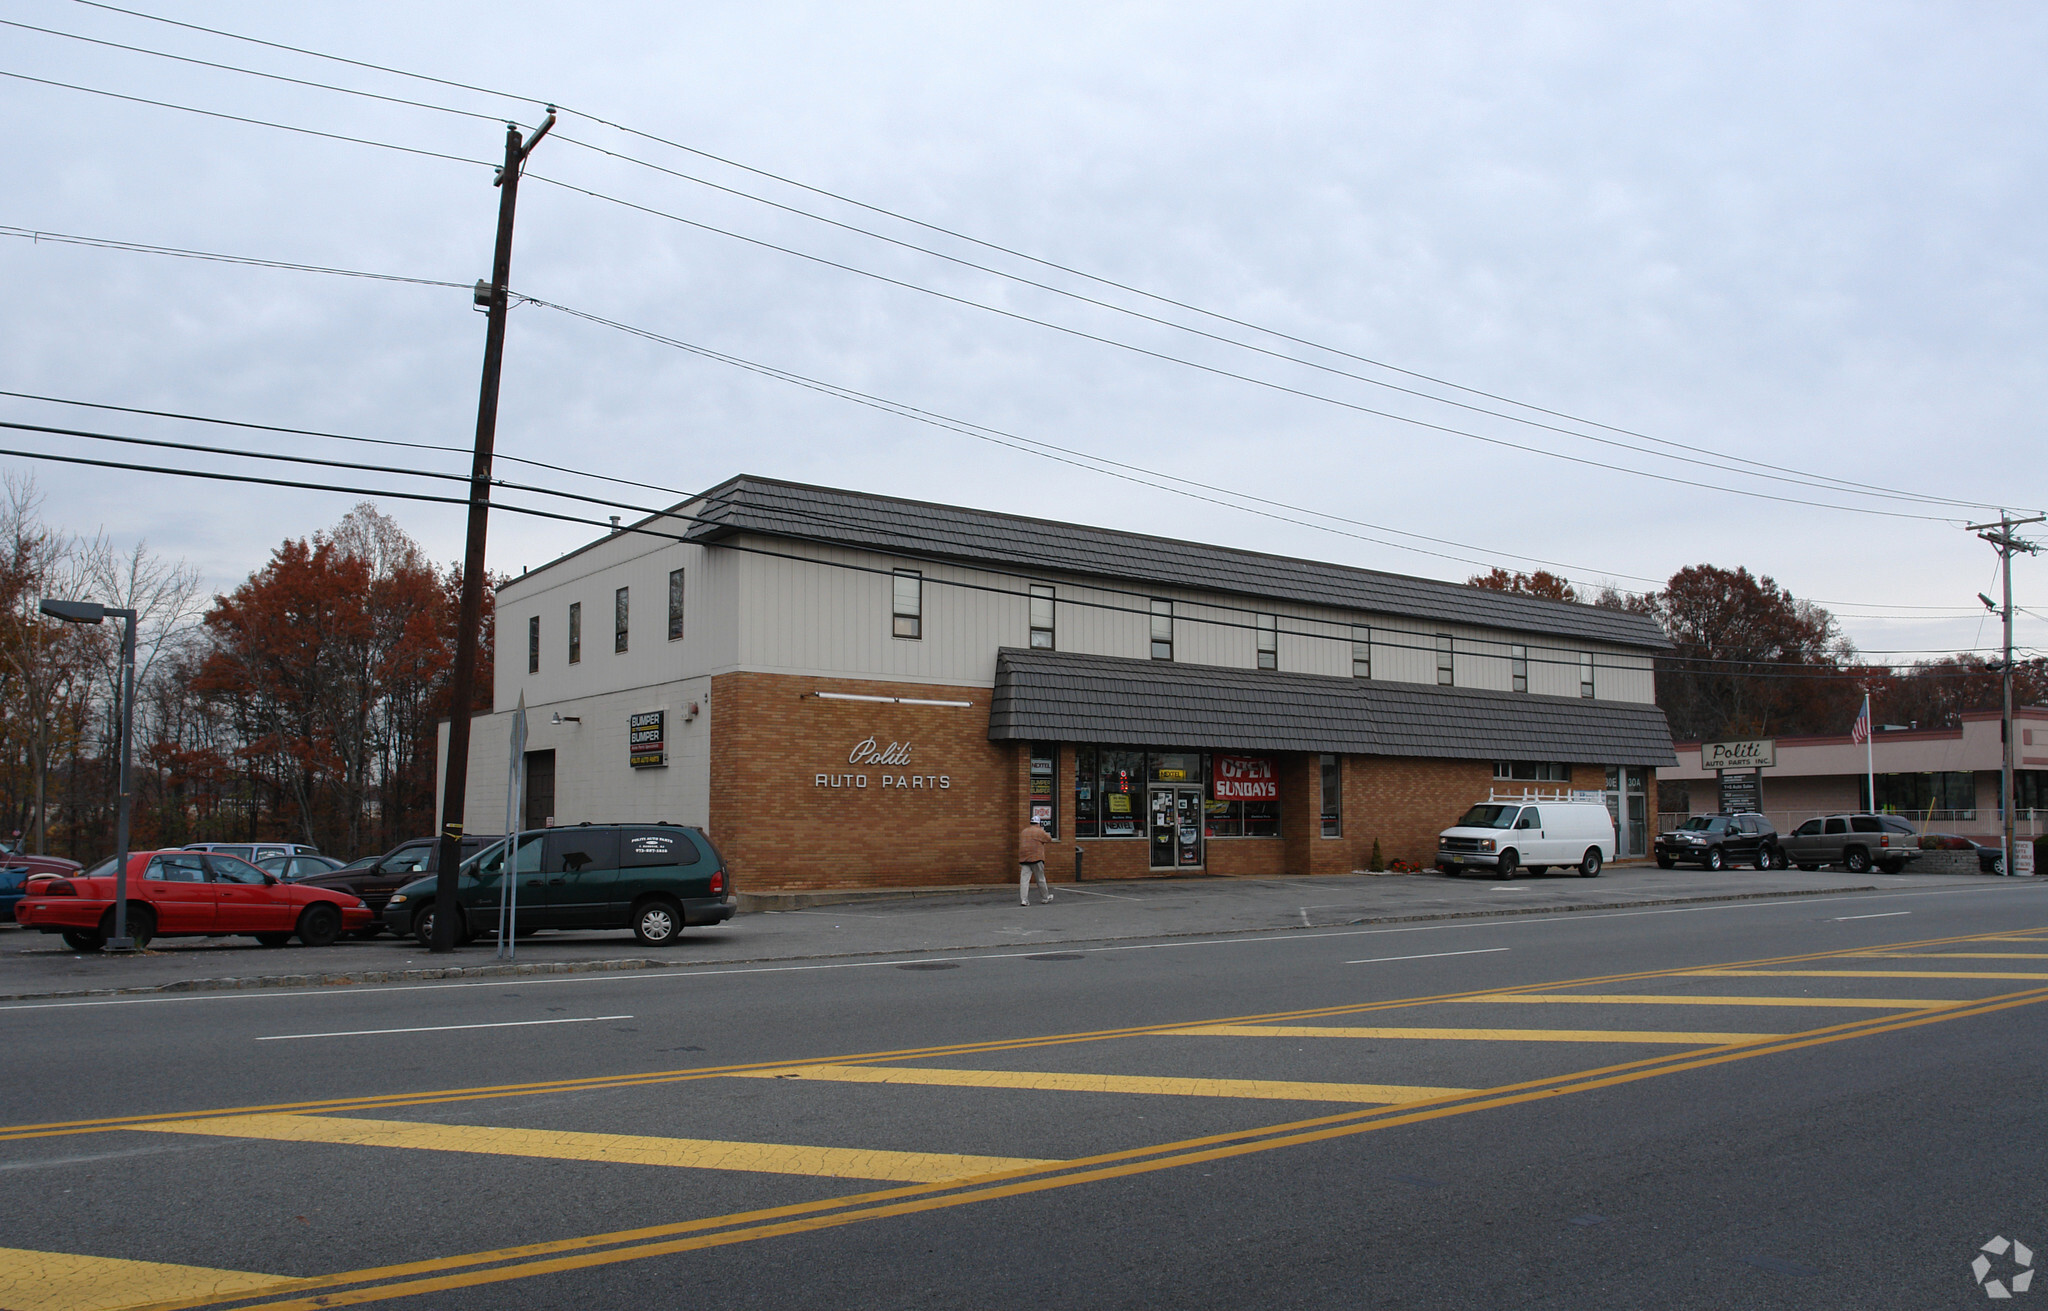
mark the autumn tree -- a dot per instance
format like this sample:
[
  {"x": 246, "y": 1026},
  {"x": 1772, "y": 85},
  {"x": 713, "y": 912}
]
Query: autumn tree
[
  {"x": 1542, "y": 583},
  {"x": 1749, "y": 659}
]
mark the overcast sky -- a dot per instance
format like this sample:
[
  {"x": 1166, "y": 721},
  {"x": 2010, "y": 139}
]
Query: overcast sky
[{"x": 1804, "y": 236}]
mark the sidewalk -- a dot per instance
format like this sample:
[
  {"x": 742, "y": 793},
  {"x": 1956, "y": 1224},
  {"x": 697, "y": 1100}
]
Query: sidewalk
[{"x": 919, "y": 921}]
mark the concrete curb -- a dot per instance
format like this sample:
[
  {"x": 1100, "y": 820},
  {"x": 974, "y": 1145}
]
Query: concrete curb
[{"x": 340, "y": 979}]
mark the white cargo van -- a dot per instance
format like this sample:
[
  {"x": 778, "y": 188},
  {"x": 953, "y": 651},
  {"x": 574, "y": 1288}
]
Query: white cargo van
[{"x": 1503, "y": 835}]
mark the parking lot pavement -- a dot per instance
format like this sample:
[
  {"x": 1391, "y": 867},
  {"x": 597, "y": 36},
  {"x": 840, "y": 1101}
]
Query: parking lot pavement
[{"x": 39, "y": 965}]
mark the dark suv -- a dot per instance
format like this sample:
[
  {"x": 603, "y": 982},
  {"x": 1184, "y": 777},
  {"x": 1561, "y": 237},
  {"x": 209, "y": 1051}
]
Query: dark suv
[
  {"x": 376, "y": 881},
  {"x": 1721, "y": 841},
  {"x": 1855, "y": 842},
  {"x": 651, "y": 878}
]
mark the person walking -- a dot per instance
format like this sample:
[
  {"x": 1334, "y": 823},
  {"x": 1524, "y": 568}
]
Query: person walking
[{"x": 1031, "y": 862}]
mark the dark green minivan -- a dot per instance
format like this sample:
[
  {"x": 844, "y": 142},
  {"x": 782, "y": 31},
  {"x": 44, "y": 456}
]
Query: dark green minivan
[{"x": 651, "y": 878}]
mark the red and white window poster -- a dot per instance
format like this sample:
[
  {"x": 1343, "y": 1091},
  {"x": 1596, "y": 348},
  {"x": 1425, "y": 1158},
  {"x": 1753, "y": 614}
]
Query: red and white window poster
[{"x": 1246, "y": 778}]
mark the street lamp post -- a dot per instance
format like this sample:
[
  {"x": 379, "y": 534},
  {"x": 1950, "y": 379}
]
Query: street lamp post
[{"x": 92, "y": 612}]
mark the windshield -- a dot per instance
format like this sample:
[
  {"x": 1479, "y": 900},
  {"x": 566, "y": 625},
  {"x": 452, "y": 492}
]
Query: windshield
[
  {"x": 1490, "y": 817},
  {"x": 1703, "y": 824}
]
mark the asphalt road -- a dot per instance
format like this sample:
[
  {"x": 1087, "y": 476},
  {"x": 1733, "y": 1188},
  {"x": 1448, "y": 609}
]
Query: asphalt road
[{"x": 1342, "y": 1117}]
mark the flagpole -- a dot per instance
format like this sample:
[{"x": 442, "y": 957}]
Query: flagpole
[{"x": 1869, "y": 754}]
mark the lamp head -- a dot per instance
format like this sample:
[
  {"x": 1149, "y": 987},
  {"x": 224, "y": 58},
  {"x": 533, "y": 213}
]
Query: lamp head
[
  {"x": 1989, "y": 604},
  {"x": 74, "y": 612}
]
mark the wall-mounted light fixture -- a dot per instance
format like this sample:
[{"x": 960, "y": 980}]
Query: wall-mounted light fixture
[
  {"x": 561, "y": 718},
  {"x": 886, "y": 700}
]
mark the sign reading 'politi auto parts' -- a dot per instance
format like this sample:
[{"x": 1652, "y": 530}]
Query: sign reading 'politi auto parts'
[
  {"x": 1757, "y": 753},
  {"x": 871, "y": 753}
]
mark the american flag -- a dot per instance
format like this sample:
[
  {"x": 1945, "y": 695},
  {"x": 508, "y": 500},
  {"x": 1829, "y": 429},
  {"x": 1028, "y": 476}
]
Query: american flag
[{"x": 1861, "y": 733}]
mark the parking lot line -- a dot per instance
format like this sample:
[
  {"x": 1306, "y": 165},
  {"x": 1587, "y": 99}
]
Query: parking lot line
[
  {"x": 1370, "y": 1094},
  {"x": 1655, "y": 999},
  {"x": 615, "y": 1149},
  {"x": 60, "y": 1281},
  {"x": 1475, "y": 1035}
]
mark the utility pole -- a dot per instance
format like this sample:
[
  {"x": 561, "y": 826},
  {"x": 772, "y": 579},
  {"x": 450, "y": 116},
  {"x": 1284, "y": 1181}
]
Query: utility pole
[
  {"x": 497, "y": 297},
  {"x": 2000, "y": 536}
]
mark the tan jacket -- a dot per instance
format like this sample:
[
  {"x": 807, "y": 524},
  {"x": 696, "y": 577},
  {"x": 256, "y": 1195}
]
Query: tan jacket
[{"x": 1031, "y": 845}]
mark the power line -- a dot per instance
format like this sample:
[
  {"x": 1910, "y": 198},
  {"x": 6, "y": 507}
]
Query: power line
[
  {"x": 964, "y": 427},
  {"x": 37, "y": 236},
  {"x": 1721, "y": 459},
  {"x": 1380, "y": 637},
  {"x": 1162, "y": 356},
  {"x": 239, "y": 118}
]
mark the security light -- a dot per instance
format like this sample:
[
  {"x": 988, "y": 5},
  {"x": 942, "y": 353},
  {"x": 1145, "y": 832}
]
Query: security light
[{"x": 74, "y": 612}]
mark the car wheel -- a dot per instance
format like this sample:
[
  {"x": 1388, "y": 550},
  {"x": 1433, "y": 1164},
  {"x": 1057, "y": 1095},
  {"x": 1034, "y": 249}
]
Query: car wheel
[
  {"x": 1506, "y": 868},
  {"x": 1779, "y": 860},
  {"x": 273, "y": 939},
  {"x": 423, "y": 928},
  {"x": 319, "y": 925},
  {"x": 1997, "y": 865},
  {"x": 658, "y": 923},
  {"x": 1763, "y": 857},
  {"x": 1891, "y": 866},
  {"x": 1715, "y": 860},
  {"x": 141, "y": 925},
  {"x": 1589, "y": 864},
  {"x": 1665, "y": 862},
  {"x": 84, "y": 939},
  {"x": 1856, "y": 860}
]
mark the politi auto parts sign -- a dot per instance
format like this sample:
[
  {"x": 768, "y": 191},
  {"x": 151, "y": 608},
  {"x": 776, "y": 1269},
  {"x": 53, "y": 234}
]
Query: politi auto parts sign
[
  {"x": 1757, "y": 753},
  {"x": 870, "y": 753}
]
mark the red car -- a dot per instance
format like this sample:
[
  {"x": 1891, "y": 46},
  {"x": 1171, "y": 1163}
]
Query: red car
[{"x": 192, "y": 894}]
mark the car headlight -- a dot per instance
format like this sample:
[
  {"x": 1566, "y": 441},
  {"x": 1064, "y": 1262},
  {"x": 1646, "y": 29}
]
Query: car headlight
[
  {"x": 396, "y": 897},
  {"x": 361, "y": 904},
  {"x": 1486, "y": 844}
]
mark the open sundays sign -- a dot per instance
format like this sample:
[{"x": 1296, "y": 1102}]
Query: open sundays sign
[{"x": 1246, "y": 778}]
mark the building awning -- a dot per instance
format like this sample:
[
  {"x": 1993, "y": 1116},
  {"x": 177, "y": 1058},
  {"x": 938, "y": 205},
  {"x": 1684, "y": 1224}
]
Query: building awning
[{"x": 1062, "y": 697}]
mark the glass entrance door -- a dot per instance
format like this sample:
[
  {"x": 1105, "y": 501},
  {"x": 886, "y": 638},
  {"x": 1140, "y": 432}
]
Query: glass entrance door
[{"x": 1176, "y": 815}]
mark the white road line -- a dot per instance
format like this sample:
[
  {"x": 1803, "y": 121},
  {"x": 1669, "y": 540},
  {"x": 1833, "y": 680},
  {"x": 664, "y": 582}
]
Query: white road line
[
  {"x": 439, "y": 1028},
  {"x": 1518, "y": 921},
  {"x": 1479, "y": 951},
  {"x": 1885, "y": 916}
]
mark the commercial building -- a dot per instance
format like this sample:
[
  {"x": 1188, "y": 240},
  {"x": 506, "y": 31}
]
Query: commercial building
[
  {"x": 1944, "y": 779},
  {"x": 852, "y": 689}
]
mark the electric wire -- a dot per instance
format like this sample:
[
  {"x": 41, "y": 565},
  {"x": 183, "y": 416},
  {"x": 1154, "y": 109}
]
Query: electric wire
[
  {"x": 1794, "y": 478},
  {"x": 898, "y": 408},
  {"x": 1839, "y": 483},
  {"x": 1381, "y": 637}
]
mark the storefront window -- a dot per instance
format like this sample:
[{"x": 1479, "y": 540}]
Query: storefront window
[
  {"x": 1244, "y": 798},
  {"x": 1910, "y": 793},
  {"x": 1120, "y": 792},
  {"x": 1333, "y": 797},
  {"x": 1176, "y": 767},
  {"x": 1044, "y": 771}
]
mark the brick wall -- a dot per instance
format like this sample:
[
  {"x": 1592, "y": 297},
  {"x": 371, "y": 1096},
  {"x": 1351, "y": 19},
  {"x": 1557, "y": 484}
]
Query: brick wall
[
  {"x": 782, "y": 830},
  {"x": 779, "y": 829}
]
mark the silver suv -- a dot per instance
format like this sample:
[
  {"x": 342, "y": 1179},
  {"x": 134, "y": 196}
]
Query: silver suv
[{"x": 1855, "y": 842}]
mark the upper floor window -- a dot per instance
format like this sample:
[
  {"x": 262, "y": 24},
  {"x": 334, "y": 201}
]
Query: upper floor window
[
  {"x": 533, "y": 644},
  {"x": 675, "y": 604},
  {"x": 619, "y": 602},
  {"x": 1446, "y": 674},
  {"x": 1269, "y": 641},
  {"x": 907, "y": 609},
  {"x": 1585, "y": 673},
  {"x": 1041, "y": 617},
  {"x": 1518, "y": 667},
  {"x": 575, "y": 632},
  {"x": 1361, "y": 651},
  {"x": 1532, "y": 771},
  {"x": 1162, "y": 629}
]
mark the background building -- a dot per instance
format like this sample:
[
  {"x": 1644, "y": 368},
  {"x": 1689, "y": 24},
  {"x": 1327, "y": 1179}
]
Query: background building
[
  {"x": 855, "y": 689},
  {"x": 1944, "y": 779}
]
